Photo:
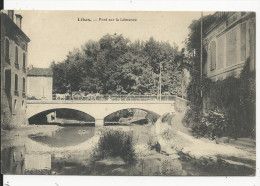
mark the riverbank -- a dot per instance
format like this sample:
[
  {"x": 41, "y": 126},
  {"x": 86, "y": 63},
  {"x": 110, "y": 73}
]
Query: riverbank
[{"x": 50, "y": 149}]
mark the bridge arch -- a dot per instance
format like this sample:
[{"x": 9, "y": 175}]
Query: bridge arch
[
  {"x": 98, "y": 109},
  {"x": 125, "y": 108},
  {"x": 150, "y": 114},
  {"x": 65, "y": 113}
]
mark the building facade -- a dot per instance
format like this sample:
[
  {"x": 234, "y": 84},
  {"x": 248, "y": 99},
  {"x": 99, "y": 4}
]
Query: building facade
[
  {"x": 14, "y": 48},
  {"x": 230, "y": 41},
  {"x": 39, "y": 83}
]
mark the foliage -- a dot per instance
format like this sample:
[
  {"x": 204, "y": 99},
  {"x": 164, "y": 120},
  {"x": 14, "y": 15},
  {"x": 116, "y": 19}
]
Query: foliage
[
  {"x": 230, "y": 105},
  {"x": 235, "y": 97},
  {"x": 192, "y": 116},
  {"x": 114, "y": 64},
  {"x": 114, "y": 143},
  {"x": 213, "y": 125}
]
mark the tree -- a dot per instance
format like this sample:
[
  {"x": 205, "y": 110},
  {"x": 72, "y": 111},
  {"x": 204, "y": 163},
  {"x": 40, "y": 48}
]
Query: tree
[{"x": 115, "y": 65}]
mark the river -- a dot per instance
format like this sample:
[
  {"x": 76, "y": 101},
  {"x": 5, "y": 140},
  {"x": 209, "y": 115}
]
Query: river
[{"x": 67, "y": 151}]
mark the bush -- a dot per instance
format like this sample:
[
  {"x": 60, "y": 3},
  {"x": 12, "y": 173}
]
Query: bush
[
  {"x": 113, "y": 143},
  {"x": 213, "y": 125}
]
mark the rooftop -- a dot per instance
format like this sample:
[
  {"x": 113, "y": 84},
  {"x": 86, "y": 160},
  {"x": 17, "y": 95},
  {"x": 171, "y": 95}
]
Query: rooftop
[
  {"x": 11, "y": 27},
  {"x": 46, "y": 72}
]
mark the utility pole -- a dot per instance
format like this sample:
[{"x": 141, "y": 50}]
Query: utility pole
[{"x": 201, "y": 51}]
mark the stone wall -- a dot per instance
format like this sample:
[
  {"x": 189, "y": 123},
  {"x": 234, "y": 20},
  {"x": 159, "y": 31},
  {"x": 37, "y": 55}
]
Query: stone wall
[{"x": 39, "y": 87}]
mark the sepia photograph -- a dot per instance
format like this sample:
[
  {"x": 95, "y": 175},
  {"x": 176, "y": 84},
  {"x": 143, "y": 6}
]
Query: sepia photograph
[{"x": 128, "y": 93}]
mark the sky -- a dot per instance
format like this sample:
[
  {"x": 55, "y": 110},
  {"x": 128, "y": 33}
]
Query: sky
[{"x": 54, "y": 33}]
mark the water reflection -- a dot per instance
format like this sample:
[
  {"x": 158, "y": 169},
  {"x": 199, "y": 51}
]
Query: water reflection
[
  {"x": 67, "y": 136},
  {"x": 16, "y": 161},
  {"x": 13, "y": 160}
]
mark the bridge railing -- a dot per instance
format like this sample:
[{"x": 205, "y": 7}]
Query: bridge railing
[{"x": 105, "y": 97}]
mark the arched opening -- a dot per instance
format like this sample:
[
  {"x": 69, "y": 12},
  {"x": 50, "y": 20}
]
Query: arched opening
[
  {"x": 131, "y": 116},
  {"x": 62, "y": 117}
]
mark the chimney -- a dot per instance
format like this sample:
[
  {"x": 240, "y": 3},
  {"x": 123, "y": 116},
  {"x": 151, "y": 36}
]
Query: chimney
[
  {"x": 11, "y": 14},
  {"x": 19, "y": 20}
]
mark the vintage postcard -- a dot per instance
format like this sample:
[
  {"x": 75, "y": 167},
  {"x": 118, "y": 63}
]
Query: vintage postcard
[{"x": 113, "y": 93}]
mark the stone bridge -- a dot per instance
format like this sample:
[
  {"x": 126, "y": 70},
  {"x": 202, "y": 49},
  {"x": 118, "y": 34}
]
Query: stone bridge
[{"x": 98, "y": 109}]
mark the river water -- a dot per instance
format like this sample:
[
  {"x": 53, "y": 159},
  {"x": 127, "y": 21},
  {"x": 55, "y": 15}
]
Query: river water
[{"x": 67, "y": 151}]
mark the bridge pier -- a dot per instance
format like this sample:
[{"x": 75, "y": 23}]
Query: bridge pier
[{"x": 99, "y": 122}]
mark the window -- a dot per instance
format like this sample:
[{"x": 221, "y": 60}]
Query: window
[
  {"x": 24, "y": 58},
  {"x": 8, "y": 82},
  {"x": 16, "y": 83},
  {"x": 16, "y": 54},
  {"x": 16, "y": 58},
  {"x": 7, "y": 50},
  {"x": 23, "y": 84},
  {"x": 212, "y": 55}
]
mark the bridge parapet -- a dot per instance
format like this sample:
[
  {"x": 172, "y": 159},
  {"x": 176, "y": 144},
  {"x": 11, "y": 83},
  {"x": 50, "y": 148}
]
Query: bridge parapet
[
  {"x": 98, "y": 102},
  {"x": 106, "y": 97}
]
